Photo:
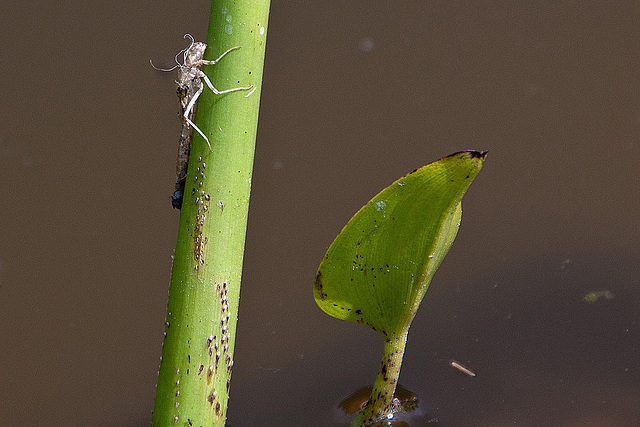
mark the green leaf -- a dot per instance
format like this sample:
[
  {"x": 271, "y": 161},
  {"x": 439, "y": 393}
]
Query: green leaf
[{"x": 377, "y": 270}]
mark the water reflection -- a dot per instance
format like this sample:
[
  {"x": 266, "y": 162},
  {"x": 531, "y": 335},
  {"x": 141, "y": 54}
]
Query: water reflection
[{"x": 406, "y": 403}]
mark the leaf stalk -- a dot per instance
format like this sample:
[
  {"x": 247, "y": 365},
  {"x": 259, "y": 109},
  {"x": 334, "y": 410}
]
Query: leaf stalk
[{"x": 382, "y": 404}]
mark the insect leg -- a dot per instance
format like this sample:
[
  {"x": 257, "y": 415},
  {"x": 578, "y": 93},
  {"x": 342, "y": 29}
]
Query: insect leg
[
  {"x": 204, "y": 61},
  {"x": 187, "y": 113},
  {"x": 219, "y": 92}
]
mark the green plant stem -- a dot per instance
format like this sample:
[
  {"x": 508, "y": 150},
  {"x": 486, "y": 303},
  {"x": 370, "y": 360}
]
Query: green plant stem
[
  {"x": 381, "y": 402},
  {"x": 197, "y": 355}
]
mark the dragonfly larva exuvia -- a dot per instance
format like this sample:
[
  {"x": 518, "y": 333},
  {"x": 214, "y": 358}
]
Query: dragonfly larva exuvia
[{"x": 189, "y": 86}]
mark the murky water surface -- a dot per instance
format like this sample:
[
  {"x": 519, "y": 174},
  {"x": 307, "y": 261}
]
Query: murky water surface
[{"x": 539, "y": 296}]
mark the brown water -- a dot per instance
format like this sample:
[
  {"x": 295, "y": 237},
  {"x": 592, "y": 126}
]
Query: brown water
[{"x": 355, "y": 95}]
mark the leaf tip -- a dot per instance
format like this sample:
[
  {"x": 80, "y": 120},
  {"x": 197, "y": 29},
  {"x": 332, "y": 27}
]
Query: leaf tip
[
  {"x": 472, "y": 154},
  {"x": 479, "y": 154}
]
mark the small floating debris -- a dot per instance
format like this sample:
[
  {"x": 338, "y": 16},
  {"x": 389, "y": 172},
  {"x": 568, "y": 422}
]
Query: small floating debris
[
  {"x": 592, "y": 297},
  {"x": 462, "y": 369}
]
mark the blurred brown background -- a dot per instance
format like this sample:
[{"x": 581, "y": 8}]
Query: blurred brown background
[{"x": 355, "y": 95}]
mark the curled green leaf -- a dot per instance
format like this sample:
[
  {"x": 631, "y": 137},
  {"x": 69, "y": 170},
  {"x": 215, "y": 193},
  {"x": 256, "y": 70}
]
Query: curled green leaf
[{"x": 378, "y": 269}]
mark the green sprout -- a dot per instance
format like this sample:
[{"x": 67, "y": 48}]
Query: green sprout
[{"x": 377, "y": 270}]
